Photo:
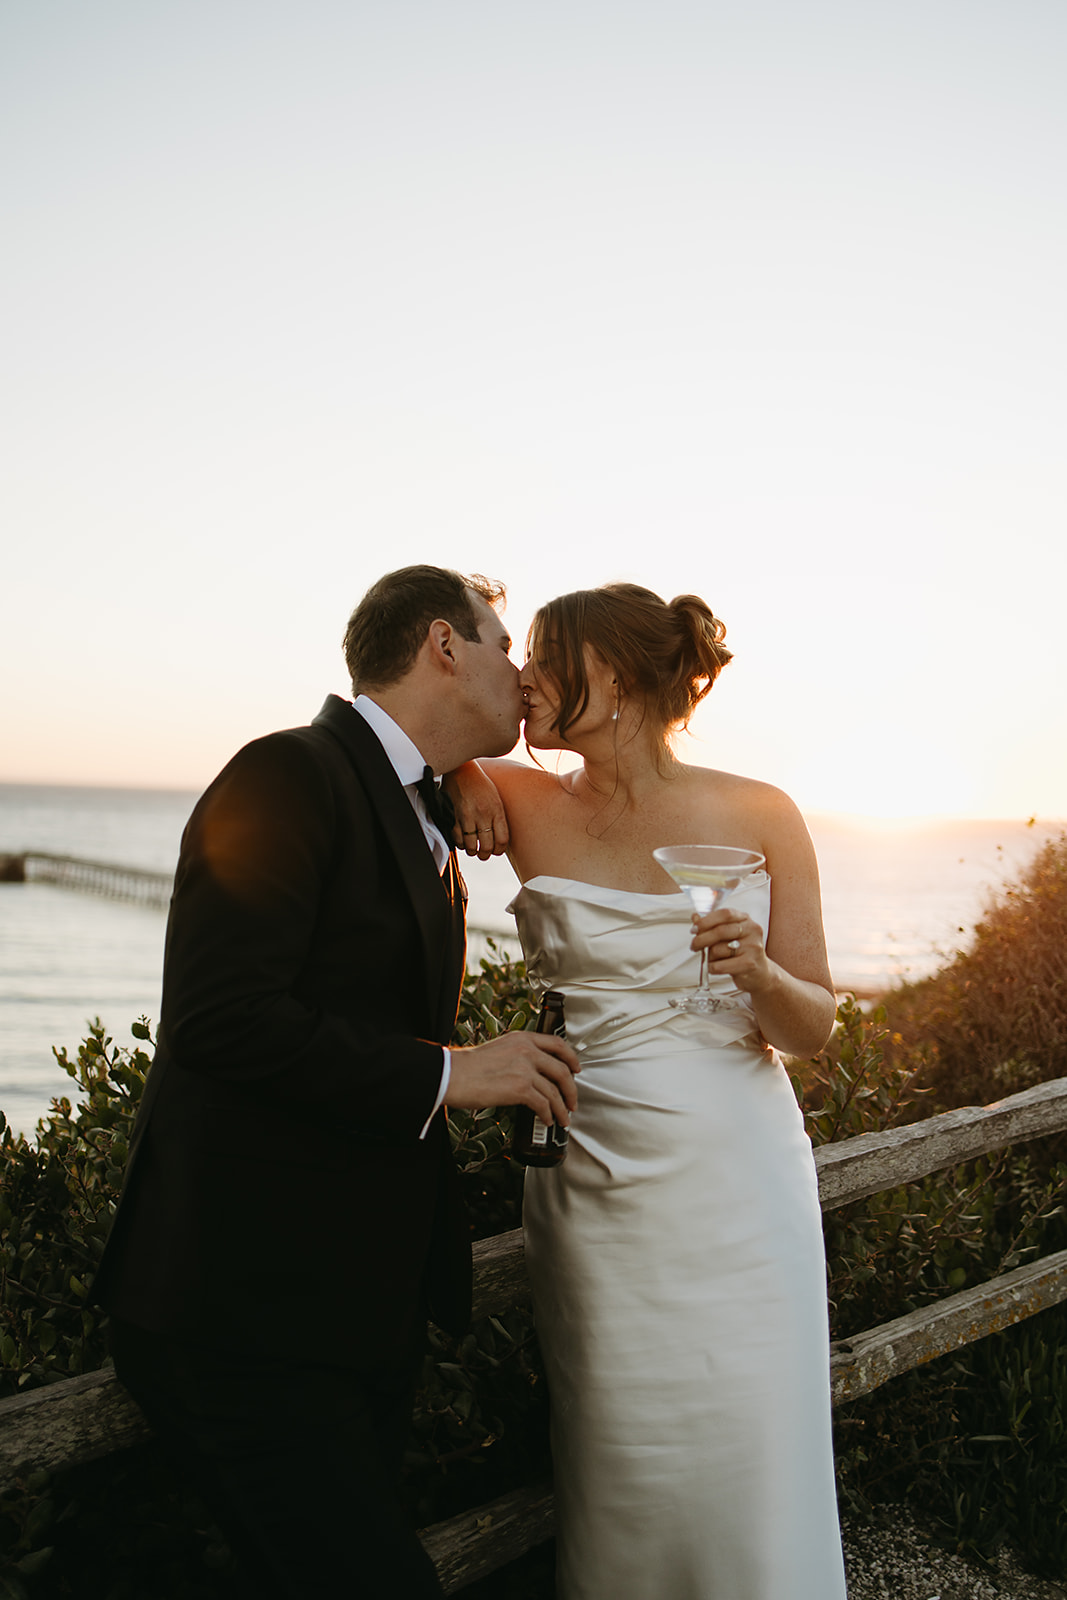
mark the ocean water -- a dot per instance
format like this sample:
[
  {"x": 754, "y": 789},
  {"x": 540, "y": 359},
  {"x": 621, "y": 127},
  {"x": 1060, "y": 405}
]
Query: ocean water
[{"x": 897, "y": 901}]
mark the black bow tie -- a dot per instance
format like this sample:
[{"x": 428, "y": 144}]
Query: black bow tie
[{"x": 442, "y": 813}]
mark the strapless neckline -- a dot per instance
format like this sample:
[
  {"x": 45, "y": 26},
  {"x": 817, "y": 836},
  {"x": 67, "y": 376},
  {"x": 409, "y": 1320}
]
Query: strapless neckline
[
  {"x": 597, "y": 944},
  {"x": 545, "y": 883}
]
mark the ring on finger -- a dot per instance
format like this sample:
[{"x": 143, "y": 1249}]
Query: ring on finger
[{"x": 733, "y": 944}]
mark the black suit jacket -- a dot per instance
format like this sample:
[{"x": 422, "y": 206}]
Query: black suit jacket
[{"x": 278, "y": 1199}]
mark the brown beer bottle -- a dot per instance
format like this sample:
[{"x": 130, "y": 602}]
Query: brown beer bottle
[{"x": 535, "y": 1143}]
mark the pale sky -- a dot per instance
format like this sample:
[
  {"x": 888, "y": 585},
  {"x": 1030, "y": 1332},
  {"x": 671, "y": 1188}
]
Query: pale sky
[{"x": 764, "y": 302}]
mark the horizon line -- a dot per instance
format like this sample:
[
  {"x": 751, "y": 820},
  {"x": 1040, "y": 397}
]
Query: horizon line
[{"x": 915, "y": 819}]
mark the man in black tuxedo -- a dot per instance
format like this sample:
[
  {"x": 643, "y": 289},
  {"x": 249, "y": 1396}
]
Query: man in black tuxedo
[{"x": 290, "y": 1215}]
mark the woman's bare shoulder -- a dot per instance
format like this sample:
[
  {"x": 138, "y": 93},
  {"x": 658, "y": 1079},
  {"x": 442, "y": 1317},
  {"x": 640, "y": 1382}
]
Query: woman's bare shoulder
[
  {"x": 763, "y": 808},
  {"x": 517, "y": 777},
  {"x": 732, "y": 786}
]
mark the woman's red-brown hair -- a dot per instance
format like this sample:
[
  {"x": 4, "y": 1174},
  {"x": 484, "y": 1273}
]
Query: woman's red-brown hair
[{"x": 666, "y": 655}]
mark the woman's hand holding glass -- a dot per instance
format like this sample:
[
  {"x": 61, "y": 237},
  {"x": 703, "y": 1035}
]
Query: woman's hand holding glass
[
  {"x": 734, "y": 946},
  {"x": 710, "y": 874}
]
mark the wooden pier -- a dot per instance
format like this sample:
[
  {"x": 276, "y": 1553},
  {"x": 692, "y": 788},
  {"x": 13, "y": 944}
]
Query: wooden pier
[
  {"x": 154, "y": 889},
  {"x": 90, "y": 877}
]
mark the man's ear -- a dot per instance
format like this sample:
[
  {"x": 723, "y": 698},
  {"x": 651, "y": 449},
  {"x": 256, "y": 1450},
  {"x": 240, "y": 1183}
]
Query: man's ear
[{"x": 440, "y": 641}]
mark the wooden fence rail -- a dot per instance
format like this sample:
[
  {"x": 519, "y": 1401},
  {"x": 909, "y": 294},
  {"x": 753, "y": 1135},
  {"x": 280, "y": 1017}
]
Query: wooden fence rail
[{"x": 80, "y": 1419}]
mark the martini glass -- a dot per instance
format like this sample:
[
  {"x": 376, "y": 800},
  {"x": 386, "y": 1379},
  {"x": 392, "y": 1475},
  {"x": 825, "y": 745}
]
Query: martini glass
[{"x": 708, "y": 873}]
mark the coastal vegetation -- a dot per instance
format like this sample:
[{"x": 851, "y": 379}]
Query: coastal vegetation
[
  {"x": 994, "y": 1019},
  {"x": 978, "y": 1440}
]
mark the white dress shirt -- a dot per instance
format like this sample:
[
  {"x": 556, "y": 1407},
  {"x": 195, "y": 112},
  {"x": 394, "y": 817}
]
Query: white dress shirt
[{"x": 408, "y": 763}]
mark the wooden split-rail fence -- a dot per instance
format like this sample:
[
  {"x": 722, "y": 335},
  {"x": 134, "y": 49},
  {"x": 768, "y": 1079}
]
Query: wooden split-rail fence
[{"x": 81, "y": 1419}]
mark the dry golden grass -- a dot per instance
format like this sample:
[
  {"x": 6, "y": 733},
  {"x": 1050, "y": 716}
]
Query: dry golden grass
[{"x": 993, "y": 1020}]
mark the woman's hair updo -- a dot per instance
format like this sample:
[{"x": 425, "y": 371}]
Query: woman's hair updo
[{"x": 665, "y": 655}]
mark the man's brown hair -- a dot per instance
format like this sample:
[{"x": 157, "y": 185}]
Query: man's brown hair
[{"x": 387, "y": 629}]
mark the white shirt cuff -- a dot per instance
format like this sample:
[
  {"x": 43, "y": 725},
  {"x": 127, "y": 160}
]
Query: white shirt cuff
[{"x": 446, "y": 1073}]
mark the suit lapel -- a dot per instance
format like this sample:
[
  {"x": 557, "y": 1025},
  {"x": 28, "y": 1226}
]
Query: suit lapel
[{"x": 436, "y": 910}]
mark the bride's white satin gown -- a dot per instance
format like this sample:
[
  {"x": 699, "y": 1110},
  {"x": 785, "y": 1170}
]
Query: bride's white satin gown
[{"x": 678, "y": 1275}]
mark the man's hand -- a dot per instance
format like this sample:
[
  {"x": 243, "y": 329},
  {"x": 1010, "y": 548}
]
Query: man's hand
[
  {"x": 481, "y": 821},
  {"x": 528, "y": 1069}
]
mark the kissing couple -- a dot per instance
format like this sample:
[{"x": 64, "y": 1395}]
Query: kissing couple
[{"x": 290, "y": 1216}]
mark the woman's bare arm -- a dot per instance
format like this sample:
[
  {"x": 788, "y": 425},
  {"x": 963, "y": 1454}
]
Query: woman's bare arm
[{"x": 788, "y": 979}]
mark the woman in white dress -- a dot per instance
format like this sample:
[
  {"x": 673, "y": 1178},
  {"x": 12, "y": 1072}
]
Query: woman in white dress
[{"x": 676, "y": 1255}]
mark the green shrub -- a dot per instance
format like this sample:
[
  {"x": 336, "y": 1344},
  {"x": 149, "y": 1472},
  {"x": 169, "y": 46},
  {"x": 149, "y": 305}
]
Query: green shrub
[
  {"x": 893, "y": 1252},
  {"x": 495, "y": 999},
  {"x": 57, "y": 1197}
]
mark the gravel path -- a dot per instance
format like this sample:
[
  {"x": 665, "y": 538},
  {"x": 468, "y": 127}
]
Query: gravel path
[{"x": 899, "y": 1561}]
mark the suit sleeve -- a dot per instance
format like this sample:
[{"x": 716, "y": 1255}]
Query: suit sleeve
[{"x": 269, "y": 982}]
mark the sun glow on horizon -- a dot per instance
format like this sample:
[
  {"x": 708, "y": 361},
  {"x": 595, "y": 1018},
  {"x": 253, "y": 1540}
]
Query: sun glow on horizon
[{"x": 792, "y": 339}]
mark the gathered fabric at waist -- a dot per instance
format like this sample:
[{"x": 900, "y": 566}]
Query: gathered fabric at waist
[
  {"x": 649, "y": 1115},
  {"x": 602, "y": 1035}
]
